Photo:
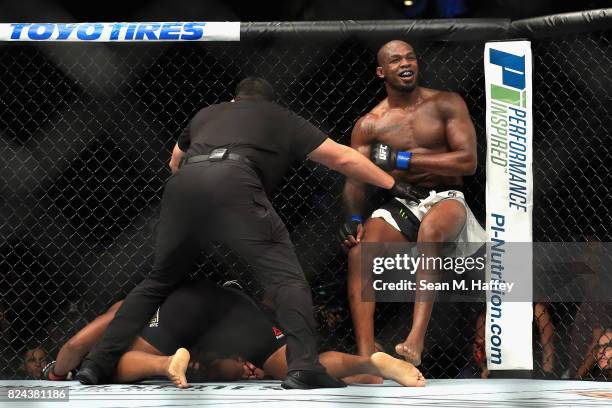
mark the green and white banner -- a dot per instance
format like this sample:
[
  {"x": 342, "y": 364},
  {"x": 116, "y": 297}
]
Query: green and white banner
[{"x": 509, "y": 127}]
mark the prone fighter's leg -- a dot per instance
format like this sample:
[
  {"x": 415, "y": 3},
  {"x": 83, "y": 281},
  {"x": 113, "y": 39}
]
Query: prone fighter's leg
[
  {"x": 442, "y": 223},
  {"x": 362, "y": 313},
  {"x": 342, "y": 365},
  {"x": 378, "y": 364},
  {"x": 143, "y": 361}
]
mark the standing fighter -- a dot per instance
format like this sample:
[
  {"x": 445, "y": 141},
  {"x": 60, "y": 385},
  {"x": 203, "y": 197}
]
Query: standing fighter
[
  {"x": 424, "y": 137},
  {"x": 232, "y": 156}
]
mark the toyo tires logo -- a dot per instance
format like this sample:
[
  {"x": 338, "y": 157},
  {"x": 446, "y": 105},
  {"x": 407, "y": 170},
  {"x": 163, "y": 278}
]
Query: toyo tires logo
[
  {"x": 109, "y": 32},
  {"x": 117, "y": 32}
]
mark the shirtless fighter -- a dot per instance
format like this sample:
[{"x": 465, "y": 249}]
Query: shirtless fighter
[{"x": 424, "y": 137}]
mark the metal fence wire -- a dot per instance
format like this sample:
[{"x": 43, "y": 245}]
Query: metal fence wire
[{"x": 87, "y": 131}]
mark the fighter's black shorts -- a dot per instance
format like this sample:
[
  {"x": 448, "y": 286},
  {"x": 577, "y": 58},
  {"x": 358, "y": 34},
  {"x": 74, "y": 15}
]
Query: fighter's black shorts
[
  {"x": 216, "y": 321},
  {"x": 406, "y": 216}
]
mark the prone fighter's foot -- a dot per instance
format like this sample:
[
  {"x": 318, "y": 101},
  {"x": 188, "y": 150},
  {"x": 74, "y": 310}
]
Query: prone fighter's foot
[
  {"x": 402, "y": 372},
  {"x": 177, "y": 367}
]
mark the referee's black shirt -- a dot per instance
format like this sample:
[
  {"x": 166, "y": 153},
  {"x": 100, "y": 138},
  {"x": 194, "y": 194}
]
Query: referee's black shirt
[{"x": 269, "y": 135}]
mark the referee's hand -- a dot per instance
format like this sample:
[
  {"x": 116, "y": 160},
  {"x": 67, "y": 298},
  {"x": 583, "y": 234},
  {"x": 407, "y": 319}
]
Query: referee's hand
[
  {"x": 174, "y": 166},
  {"x": 408, "y": 192}
]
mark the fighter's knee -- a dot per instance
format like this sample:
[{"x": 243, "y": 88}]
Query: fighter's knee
[
  {"x": 379, "y": 230},
  {"x": 431, "y": 233}
]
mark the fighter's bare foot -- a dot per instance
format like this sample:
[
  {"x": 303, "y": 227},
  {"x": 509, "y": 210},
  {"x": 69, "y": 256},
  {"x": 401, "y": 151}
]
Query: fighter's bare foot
[
  {"x": 411, "y": 351},
  {"x": 421, "y": 381},
  {"x": 177, "y": 366},
  {"x": 397, "y": 370},
  {"x": 363, "y": 379}
]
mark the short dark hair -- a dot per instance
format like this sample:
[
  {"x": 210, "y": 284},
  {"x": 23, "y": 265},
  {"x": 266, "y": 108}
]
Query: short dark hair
[
  {"x": 255, "y": 88},
  {"x": 382, "y": 51}
]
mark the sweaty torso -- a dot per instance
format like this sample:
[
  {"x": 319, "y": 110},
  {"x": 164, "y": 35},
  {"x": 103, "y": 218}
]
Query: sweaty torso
[{"x": 419, "y": 128}]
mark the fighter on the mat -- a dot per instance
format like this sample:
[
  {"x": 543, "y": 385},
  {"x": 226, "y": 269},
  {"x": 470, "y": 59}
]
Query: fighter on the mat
[
  {"x": 424, "y": 137},
  {"x": 230, "y": 337}
]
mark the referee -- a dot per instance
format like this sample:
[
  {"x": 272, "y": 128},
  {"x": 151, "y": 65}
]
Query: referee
[{"x": 232, "y": 156}]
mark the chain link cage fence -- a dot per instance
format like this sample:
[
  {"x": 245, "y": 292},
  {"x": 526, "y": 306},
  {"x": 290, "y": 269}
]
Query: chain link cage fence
[{"x": 87, "y": 131}]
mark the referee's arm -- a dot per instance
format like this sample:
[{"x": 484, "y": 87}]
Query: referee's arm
[{"x": 351, "y": 163}]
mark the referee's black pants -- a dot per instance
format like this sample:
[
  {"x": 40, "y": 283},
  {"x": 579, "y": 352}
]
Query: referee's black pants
[{"x": 221, "y": 201}]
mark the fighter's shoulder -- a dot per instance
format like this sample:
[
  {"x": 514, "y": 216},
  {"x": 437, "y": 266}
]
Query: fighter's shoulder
[
  {"x": 369, "y": 120},
  {"x": 364, "y": 127},
  {"x": 443, "y": 99},
  {"x": 379, "y": 110}
]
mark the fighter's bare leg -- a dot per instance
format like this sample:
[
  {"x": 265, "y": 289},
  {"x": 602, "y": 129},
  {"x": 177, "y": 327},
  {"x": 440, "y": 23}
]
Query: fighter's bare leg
[
  {"x": 362, "y": 313},
  {"x": 363, "y": 379},
  {"x": 442, "y": 223},
  {"x": 547, "y": 333},
  {"x": 276, "y": 365},
  {"x": 342, "y": 365},
  {"x": 402, "y": 372},
  {"x": 366, "y": 378},
  {"x": 379, "y": 364},
  {"x": 136, "y": 365},
  {"x": 143, "y": 360}
]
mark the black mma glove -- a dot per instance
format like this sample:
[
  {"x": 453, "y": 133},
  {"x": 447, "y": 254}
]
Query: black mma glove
[
  {"x": 409, "y": 192},
  {"x": 388, "y": 159},
  {"x": 350, "y": 228}
]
